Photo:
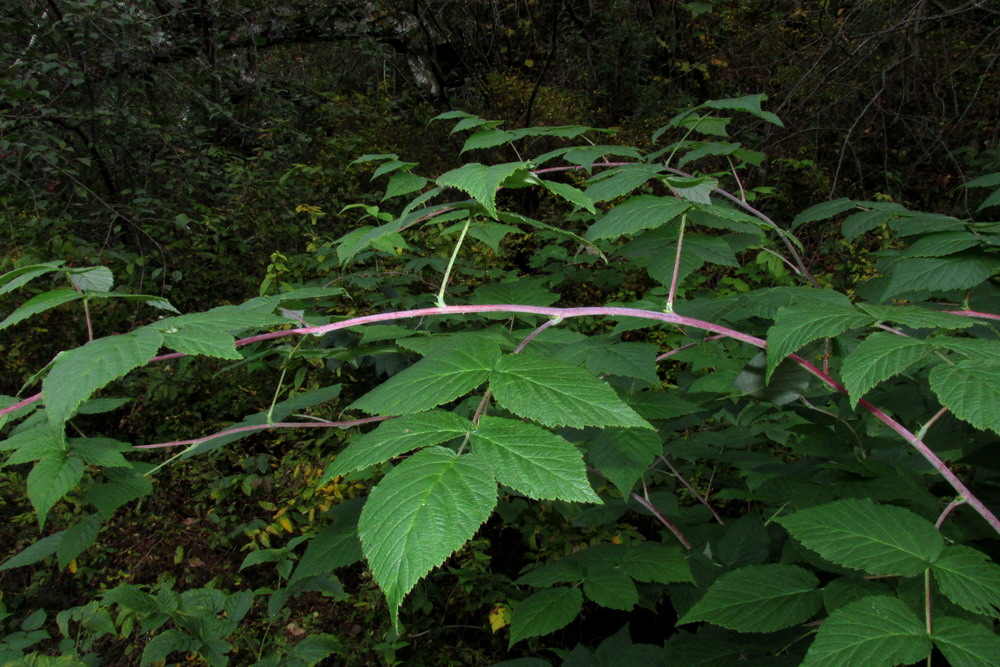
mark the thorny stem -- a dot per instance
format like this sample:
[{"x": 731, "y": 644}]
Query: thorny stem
[{"x": 618, "y": 312}]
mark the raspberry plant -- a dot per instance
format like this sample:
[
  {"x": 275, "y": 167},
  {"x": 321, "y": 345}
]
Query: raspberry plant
[{"x": 850, "y": 435}]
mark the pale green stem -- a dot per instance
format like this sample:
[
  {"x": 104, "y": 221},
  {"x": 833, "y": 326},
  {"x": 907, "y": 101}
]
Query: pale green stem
[
  {"x": 451, "y": 263},
  {"x": 677, "y": 266},
  {"x": 281, "y": 380}
]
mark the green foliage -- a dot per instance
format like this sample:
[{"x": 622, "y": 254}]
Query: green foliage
[{"x": 598, "y": 411}]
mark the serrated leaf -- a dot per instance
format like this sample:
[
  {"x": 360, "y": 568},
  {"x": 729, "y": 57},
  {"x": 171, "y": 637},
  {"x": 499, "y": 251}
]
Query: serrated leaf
[
  {"x": 403, "y": 183},
  {"x": 544, "y": 612},
  {"x": 34, "y": 552},
  {"x": 970, "y": 391},
  {"x": 916, "y": 317},
  {"x": 623, "y": 455},
  {"x": 879, "y": 539},
  {"x": 941, "y": 244},
  {"x": 748, "y": 104},
  {"x": 533, "y": 461},
  {"x": 202, "y": 338},
  {"x": 11, "y": 280},
  {"x": 985, "y": 181},
  {"x": 937, "y": 274},
  {"x": 105, "y": 452},
  {"x": 992, "y": 200},
  {"x": 480, "y": 181},
  {"x": 637, "y": 214},
  {"x": 699, "y": 149},
  {"x": 92, "y": 279},
  {"x": 633, "y": 360},
  {"x": 558, "y": 394},
  {"x": 487, "y": 138},
  {"x": 39, "y": 304},
  {"x": 335, "y": 546},
  {"x": 877, "y": 631},
  {"x": 563, "y": 571},
  {"x": 165, "y": 643},
  {"x": 440, "y": 377},
  {"x": 570, "y": 194},
  {"x": 660, "y": 563},
  {"x": 965, "y": 644},
  {"x": 969, "y": 579},
  {"x": 794, "y": 326},
  {"x": 983, "y": 350},
  {"x": 759, "y": 598},
  {"x": 693, "y": 188},
  {"x": 421, "y": 512},
  {"x": 50, "y": 480},
  {"x": 878, "y": 358},
  {"x": 867, "y": 220},
  {"x": 611, "y": 587},
  {"x": 77, "y": 538},
  {"x": 396, "y": 437},
  {"x": 787, "y": 383},
  {"x": 822, "y": 211},
  {"x": 621, "y": 181},
  {"x": 80, "y": 372},
  {"x": 123, "y": 486}
]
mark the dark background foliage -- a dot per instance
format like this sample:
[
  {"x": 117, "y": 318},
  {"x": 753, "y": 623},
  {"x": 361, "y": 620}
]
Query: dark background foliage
[{"x": 195, "y": 147}]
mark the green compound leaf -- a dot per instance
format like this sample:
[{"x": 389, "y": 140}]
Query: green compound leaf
[
  {"x": 50, "y": 480},
  {"x": 794, "y": 326},
  {"x": 879, "y": 539},
  {"x": 878, "y": 358},
  {"x": 969, "y": 579},
  {"x": 396, "y": 437},
  {"x": 962, "y": 271},
  {"x": 80, "y": 372},
  {"x": 556, "y": 393},
  {"x": 965, "y": 644},
  {"x": 480, "y": 181},
  {"x": 544, "y": 612},
  {"x": 533, "y": 461},
  {"x": 760, "y": 598},
  {"x": 421, "y": 512},
  {"x": 876, "y": 631},
  {"x": 971, "y": 391},
  {"x": 637, "y": 214},
  {"x": 41, "y": 303},
  {"x": 442, "y": 376}
]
